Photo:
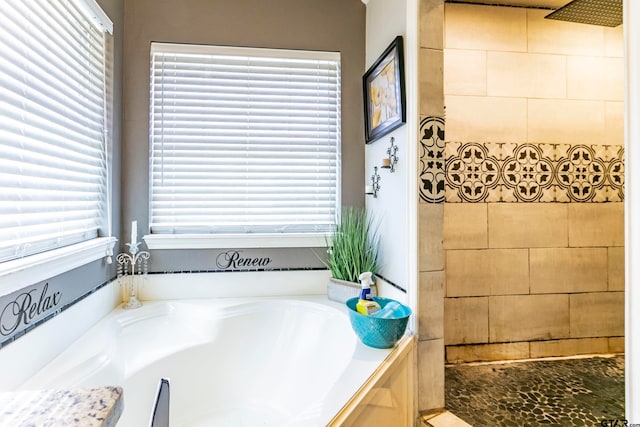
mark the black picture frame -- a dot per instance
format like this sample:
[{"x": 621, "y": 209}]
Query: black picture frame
[{"x": 384, "y": 93}]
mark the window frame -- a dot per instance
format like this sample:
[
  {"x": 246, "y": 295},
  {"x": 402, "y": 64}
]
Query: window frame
[
  {"x": 33, "y": 268},
  {"x": 205, "y": 240}
]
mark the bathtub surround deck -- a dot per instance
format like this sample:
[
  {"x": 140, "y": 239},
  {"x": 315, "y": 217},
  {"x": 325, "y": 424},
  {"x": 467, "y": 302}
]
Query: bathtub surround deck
[
  {"x": 393, "y": 379},
  {"x": 391, "y": 372},
  {"x": 92, "y": 407},
  {"x": 217, "y": 290}
]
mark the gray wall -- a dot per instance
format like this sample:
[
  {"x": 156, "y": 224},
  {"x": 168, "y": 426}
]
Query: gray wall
[
  {"x": 330, "y": 25},
  {"x": 115, "y": 10},
  {"x": 79, "y": 279}
]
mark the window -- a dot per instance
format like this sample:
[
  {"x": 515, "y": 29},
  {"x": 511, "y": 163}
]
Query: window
[
  {"x": 53, "y": 127},
  {"x": 243, "y": 141}
]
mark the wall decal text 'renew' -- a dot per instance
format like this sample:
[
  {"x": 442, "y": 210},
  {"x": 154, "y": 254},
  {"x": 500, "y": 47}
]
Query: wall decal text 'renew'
[{"x": 232, "y": 260}]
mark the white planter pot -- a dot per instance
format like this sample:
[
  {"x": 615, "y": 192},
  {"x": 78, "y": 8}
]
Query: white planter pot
[{"x": 341, "y": 290}]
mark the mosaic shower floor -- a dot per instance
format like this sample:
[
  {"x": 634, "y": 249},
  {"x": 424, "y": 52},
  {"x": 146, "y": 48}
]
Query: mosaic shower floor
[{"x": 561, "y": 392}]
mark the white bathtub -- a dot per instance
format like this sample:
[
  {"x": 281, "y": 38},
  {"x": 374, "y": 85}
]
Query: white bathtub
[{"x": 284, "y": 361}]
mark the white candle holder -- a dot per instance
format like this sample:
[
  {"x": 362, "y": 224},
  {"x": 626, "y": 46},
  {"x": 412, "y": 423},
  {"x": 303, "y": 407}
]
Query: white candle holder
[{"x": 130, "y": 265}]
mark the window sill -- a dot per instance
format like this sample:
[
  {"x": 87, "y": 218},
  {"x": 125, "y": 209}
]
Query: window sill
[
  {"x": 205, "y": 241},
  {"x": 22, "y": 272}
]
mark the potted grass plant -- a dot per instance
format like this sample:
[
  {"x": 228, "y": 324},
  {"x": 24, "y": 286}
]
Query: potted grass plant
[{"x": 352, "y": 249}]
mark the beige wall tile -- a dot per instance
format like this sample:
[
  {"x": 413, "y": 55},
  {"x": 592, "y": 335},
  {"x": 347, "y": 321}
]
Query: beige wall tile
[
  {"x": 487, "y": 272},
  {"x": 466, "y": 320},
  {"x": 571, "y": 347},
  {"x": 613, "y": 123},
  {"x": 480, "y": 119},
  {"x": 431, "y": 83},
  {"x": 527, "y": 225},
  {"x": 616, "y": 345},
  {"x": 465, "y": 72},
  {"x": 553, "y": 36},
  {"x": 465, "y": 225},
  {"x": 565, "y": 121},
  {"x": 431, "y": 306},
  {"x": 485, "y": 27},
  {"x": 528, "y": 317},
  {"x": 461, "y": 269},
  {"x": 430, "y": 237},
  {"x": 487, "y": 352},
  {"x": 590, "y": 77},
  {"x": 432, "y": 24},
  {"x": 526, "y": 75},
  {"x": 461, "y": 273},
  {"x": 613, "y": 42},
  {"x": 560, "y": 270},
  {"x": 430, "y": 374},
  {"x": 599, "y": 314},
  {"x": 596, "y": 224},
  {"x": 616, "y": 268}
]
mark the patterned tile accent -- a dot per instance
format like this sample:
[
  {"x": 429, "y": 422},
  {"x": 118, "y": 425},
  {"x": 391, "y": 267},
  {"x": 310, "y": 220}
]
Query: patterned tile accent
[
  {"x": 508, "y": 172},
  {"x": 501, "y": 172},
  {"x": 432, "y": 160}
]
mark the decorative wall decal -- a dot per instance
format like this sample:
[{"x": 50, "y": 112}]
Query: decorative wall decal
[
  {"x": 226, "y": 260},
  {"x": 23, "y": 310},
  {"x": 234, "y": 260},
  {"x": 432, "y": 160},
  {"x": 500, "y": 172},
  {"x": 27, "y": 306}
]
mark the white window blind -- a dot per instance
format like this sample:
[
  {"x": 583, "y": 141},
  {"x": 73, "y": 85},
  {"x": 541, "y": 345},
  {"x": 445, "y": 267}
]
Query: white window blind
[
  {"x": 243, "y": 140},
  {"x": 53, "y": 131}
]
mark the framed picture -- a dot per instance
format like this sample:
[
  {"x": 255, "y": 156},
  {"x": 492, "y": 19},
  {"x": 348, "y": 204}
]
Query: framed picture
[{"x": 384, "y": 96}]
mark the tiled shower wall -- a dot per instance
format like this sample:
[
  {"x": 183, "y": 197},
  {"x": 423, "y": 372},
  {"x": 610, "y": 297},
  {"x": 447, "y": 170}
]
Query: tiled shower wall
[
  {"x": 431, "y": 211},
  {"x": 530, "y": 178}
]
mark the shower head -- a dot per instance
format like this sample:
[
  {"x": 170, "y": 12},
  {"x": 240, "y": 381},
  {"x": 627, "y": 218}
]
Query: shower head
[{"x": 606, "y": 13}]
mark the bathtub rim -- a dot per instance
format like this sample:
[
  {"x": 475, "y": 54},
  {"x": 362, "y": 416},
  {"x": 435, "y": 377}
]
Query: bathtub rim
[{"x": 376, "y": 361}]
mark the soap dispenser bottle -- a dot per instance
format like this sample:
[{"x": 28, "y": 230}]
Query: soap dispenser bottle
[{"x": 366, "y": 305}]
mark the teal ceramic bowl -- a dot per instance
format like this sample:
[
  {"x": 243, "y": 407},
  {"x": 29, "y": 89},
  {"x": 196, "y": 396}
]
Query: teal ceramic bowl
[{"x": 379, "y": 332}]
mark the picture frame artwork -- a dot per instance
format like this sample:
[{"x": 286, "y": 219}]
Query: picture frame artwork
[{"x": 384, "y": 93}]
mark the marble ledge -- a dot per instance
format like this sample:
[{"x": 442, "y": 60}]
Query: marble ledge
[{"x": 94, "y": 407}]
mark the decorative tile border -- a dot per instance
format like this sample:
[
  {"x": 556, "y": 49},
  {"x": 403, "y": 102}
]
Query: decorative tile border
[
  {"x": 507, "y": 172},
  {"x": 501, "y": 172},
  {"x": 432, "y": 160}
]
